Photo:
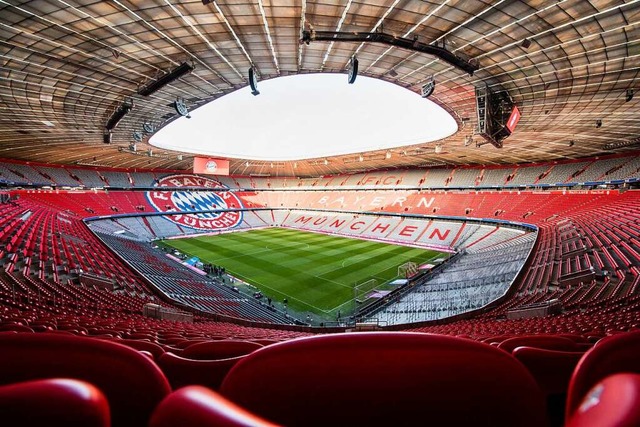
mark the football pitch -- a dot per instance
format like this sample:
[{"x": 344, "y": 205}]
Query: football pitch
[{"x": 315, "y": 272}]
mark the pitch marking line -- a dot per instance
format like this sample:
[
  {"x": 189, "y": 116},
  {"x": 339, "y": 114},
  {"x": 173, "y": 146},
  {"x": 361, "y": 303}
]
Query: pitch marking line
[
  {"x": 351, "y": 260},
  {"x": 277, "y": 291}
]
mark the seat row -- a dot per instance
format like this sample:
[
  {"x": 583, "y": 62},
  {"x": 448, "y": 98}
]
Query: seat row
[{"x": 371, "y": 378}]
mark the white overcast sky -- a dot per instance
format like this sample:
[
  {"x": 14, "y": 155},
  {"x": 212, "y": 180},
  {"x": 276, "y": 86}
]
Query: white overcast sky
[{"x": 308, "y": 116}]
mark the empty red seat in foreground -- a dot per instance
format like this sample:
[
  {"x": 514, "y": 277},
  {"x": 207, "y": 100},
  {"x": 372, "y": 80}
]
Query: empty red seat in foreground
[
  {"x": 53, "y": 403},
  {"x": 132, "y": 383},
  {"x": 197, "y": 406},
  {"x": 223, "y": 349},
  {"x": 612, "y": 402},
  {"x": 616, "y": 354},
  {"x": 550, "y": 342},
  {"x": 385, "y": 378},
  {"x": 182, "y": 371},
  {"x": 552, "y": 369},
  {"x": 12, "y": 327},
  {"x": 140, "y": 345}
]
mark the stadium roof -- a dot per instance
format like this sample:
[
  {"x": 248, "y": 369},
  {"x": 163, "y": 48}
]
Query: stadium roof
[{"x": 67, "y": 66}]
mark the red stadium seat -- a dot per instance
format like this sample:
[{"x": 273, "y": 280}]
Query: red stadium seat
[
  {"x": 265, "y": 341},
  {"x": 612, "y": 402},
  {"x": 578, "y": 339},
  {"x": 13, "y": 327},
  {"x": 141, "y": 345},
  {"x": 385, "y": 378},
  {"x": 496, "y": 339},
  {"x": 618, "y": 353},
  {"x": 550, "y": 342},
  {"x": 133, "y": 384},
  {"x": 182, "y": 372},
  {"x": 551, "y": 369},
  {"x": 196, "y": 406},
  {"x": 213, "y": 350},
  {"x": 53, "y": 403},
  {"x": 184, "y": 343}
]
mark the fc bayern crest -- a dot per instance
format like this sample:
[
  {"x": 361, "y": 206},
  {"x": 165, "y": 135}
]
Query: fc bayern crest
[
  {"x": 211, "y": 166},
  {"x": 185, "y": 201}
]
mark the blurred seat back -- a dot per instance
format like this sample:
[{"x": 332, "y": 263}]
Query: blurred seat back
[
  {"x": 224, "y": 349},
  {"x": 385, "y": 378},
  {"x": 141, "y": 345},
  {"x": 133, "y": 384},
  {"x": 197, "y": 406},
  {"x": 183, "y": 371},
  {"x": 14, "y": 327},
  {"x": 618, "y": 353},
  {"x": 612, "y": 402},
  {"x": 552, "y": 369},
  {"x": 550, "y": 342},
  {"x": 53, "y": 403}
]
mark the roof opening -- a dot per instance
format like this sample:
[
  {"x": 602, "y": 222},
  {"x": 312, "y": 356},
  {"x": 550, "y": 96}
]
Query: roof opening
[{"x": 308, "y": 116}]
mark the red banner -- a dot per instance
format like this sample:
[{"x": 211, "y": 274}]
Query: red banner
[
  {"x": 513, "y": 119},
  {"x": 206, "y": 165}
]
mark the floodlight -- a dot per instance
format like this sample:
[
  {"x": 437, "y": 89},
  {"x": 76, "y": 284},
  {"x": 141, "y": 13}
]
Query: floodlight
[
  {"x": 181, "y": 107},
  {"x": 148, "y": 127},
  {"x": 428, "y": 88}
]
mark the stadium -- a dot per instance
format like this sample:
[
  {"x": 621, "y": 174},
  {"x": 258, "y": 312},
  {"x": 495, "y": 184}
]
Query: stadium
[{"x": 459, "y": 246}]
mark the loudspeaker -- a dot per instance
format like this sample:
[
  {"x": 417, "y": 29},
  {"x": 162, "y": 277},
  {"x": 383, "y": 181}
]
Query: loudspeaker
[
  {"x": 119, "y": 114},
  {"x": 253, "y": 82},
  {"x": 106, "y": 137},
  {"x": 526, "y": 43},
  {"x": 353, "y": 69},
  {"x": 629, "y": 96}
]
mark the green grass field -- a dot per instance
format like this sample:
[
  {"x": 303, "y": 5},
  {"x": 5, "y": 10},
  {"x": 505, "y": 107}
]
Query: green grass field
[{"x": 315, "y": 272}]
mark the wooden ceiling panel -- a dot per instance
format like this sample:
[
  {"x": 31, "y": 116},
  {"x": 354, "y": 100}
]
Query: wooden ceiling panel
[{"x": 72, "y": 63}]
